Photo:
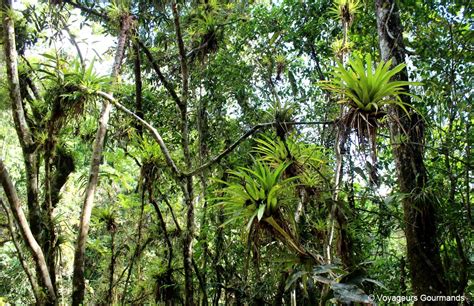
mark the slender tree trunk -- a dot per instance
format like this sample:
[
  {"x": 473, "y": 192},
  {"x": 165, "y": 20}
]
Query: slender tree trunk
[
  {"x": 138, "y": 247},
  {"x": 138, "y": 85},
  {"x": 25, "y": 230},
  {"x": 467, "y": 180},
  {"x": 423, "y": 255},
  {"x": 344, "y": 241},
  {"x": 34, "y": 284},
  {"x": 47, "y": 239},
  {"x": 219, "y": 246},
  {"x": 187, "y": 185},
  {"x": 110, "y": 292},
  {"x": 79, "y": 259},
  {"x": 169, "y": 286},
  {"x": 23, "y": 131},
  {"x": 30, "y": 157},
  {"x": 203, "y": 131}
]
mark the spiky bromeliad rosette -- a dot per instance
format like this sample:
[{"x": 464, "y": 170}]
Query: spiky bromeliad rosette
[{"x": 366, "y": 91}]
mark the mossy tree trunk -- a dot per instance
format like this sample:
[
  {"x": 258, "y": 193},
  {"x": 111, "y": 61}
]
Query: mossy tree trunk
[{"x": 427, "y": 276}]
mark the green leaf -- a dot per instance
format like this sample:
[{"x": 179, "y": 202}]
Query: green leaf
[
  {"x": 347, "y": 293},
  {"x": 261, "y": 211}
]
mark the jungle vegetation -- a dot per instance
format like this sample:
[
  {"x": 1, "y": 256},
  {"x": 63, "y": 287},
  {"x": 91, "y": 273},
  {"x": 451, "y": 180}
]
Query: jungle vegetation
[{"x": 235, "y": 152}]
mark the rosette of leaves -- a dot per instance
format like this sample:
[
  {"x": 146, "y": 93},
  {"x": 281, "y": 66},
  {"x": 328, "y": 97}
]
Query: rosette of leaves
[
  {"x": 366, "y": 90},
  {"x": 343, "y": 287},
  {"x": 108, "y": 217},
  {"x": 306, "y": 161},
  {"x": 258, "y": 196},
  {"x": 118, "y": 12},
  {"x": 71, "y": 85},
  {"x": 341, "y": 47},
  {"x": 282, "y": 113},
  {"x": 257, "y": 190},
  {"x": 345, "y": 10}
]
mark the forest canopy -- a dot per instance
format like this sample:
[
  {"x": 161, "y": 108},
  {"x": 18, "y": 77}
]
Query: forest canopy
[{"x": 236, "y": 152}]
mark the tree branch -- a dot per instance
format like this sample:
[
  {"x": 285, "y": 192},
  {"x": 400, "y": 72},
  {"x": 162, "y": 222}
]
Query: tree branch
[
  {"x": 163, "y": 80},
  {"x": 169, "y": 160},
  {"x": 249, "y": 133},
  {"x": 73, "y": 41},
  {"x": 87, "y": 10},
  {"x": 182, "y": 54},
  {"x": 156, "y": 135}
]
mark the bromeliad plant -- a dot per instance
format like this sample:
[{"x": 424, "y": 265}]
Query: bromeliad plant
[
  {"x": 256, "y": 190},
  {"x": 365, "y": 89},
  {"x": 307, "y": 161},
  {"x": 259, "y": 196},
  {"x": 345, "y": 10},
  {"x": 71, "y": 83},
  {"x": 70, "y": 86}
]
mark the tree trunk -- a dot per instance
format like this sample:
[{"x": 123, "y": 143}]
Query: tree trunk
[
  {"x": 29, "y": 154},
  {"x": 34, "y": 284},
  {"x": 203, "y": 132},
  {"x": 25, "y": 230},
  {"x": 136, "y": 253},
  {"x": 23, "y": 131},
  {"x": 79, "y": 259},
  {"x": 138, "y": 85},
  {"x": 423, "y": 256},
  {"x": 110, "y": 292},
  {"x": 187, "y": 185}
]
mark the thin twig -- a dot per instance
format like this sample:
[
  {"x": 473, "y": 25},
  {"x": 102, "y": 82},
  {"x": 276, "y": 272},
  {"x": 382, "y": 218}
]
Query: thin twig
[{"x": 72, "y": 39}]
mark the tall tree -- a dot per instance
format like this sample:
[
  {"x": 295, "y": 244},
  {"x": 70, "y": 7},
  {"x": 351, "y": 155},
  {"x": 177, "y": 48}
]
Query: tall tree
[
  {"x": 407, "y": 136},
  {"x": 30, "y": 234},
  {"x": 215, "y": 132},
  {"x": 187, "y": 186},
  {"x": 126, "y": 23}
]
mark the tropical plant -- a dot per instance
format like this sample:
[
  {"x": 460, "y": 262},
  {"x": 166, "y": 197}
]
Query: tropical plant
[
  {"x": 258, "y": 196},
  {"x": 211, "y": 86},
  {"x": 108, "y": 216},
  {"x": 255, "y": 193},
  {"x": 71, "y": 80},
  {"x": 339, "y": 47},
  {"x": 282, "y": 113},
  {"x": 345, "y": 10},
  {"x": 70, "y": 85},
  {"x": 340, "y": 286},
  {"x": 307, "y": 162},
  {"x": 277, "y": 151},
  {"x": 366, "y": 90}
]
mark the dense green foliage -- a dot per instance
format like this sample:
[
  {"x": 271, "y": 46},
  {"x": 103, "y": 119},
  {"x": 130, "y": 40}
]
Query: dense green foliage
[{"x": 280, "y": 192}]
